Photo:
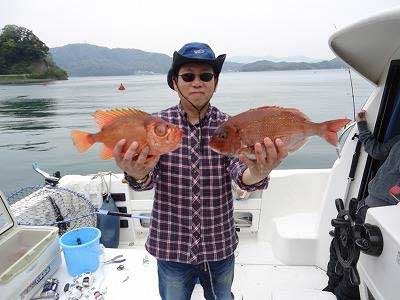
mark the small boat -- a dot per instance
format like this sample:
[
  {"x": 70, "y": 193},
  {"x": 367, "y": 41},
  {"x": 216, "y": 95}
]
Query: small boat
[
  {"x": 121, "y": 87},
  {"x": 284, "y": 230}
]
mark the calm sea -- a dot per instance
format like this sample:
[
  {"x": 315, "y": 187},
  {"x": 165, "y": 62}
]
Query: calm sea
[{"x": 36, "y": 120}]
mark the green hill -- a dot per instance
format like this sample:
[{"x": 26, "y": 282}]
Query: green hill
[
  {"x": 266, "y": 65},
  {"x": 91, "y": 60},
  {"x": 25, "y": 58}
]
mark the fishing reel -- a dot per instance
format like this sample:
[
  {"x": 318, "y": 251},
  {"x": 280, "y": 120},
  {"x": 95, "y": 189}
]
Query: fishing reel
[{"x": 351, "y": 237}]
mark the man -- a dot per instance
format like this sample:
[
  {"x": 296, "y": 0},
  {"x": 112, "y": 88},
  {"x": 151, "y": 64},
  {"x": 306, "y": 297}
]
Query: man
[
  {"x": 378, "y": 189},
  {"x": 192, "y": 232}
]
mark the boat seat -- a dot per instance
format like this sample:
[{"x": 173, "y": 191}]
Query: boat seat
[
  {"x": 294, "y": 238},
  {"x": 302, "y": 295}
]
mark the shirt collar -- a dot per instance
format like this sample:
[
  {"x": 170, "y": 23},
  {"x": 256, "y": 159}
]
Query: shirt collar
[{"x": 183, "y": 114}]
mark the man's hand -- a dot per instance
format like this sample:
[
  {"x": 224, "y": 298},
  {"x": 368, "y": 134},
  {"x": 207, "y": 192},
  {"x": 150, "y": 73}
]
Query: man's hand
[
  {"x": 361, "y": 116},
  {"x": 138, "y": 169},
  {"x": 268, "y": 157}
]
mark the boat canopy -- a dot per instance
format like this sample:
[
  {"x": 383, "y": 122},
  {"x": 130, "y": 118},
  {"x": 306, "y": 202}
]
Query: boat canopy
[{"x": 368, "y": 46}]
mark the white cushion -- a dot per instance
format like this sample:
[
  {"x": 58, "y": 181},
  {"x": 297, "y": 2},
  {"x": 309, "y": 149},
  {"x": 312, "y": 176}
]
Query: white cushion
[{"x": 295, "y": 238}]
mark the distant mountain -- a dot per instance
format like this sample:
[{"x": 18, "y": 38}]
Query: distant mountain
[
  {"x": 251, "y": 59},
  {"x": 229, "y": 66},
  {"x": 266, "y": 65},
  {"x": 91, "y": 60}
]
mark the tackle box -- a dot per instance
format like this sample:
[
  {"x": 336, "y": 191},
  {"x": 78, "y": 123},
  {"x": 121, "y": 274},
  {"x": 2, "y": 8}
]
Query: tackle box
[{"x": 29, "y": 255}]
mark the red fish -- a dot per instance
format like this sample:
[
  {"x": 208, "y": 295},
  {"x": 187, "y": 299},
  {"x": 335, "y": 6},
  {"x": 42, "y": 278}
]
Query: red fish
[
  {"x": 239, "y": 134},
  {"x": 132, "y": 125}
]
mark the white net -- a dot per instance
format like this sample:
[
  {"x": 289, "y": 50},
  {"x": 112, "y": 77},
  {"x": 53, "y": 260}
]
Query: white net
[{"x": 52, "y": 206}]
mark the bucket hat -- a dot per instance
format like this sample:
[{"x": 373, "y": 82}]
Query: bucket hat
[{"x": 198, "y": 53}]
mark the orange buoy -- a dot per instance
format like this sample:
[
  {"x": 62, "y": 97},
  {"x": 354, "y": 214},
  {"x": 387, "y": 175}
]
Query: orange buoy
[{"x": 121, "y": 87}]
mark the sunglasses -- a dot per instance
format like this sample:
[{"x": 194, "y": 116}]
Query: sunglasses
[{"x": 189, "y": 77}]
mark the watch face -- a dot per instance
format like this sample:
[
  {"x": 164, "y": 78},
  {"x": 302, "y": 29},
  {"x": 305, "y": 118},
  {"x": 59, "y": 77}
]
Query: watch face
[
  {"x": 132, "y": 182},
  {"x": 137, "y": 184}
]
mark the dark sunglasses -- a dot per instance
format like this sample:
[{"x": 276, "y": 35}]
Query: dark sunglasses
[{"x": 189, "y": 77}]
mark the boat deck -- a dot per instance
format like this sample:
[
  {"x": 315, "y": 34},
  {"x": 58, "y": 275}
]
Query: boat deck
[{"x": 257, "y": 275}]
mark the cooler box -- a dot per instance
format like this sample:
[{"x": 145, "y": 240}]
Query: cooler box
[{"x": 29, "y": 255}]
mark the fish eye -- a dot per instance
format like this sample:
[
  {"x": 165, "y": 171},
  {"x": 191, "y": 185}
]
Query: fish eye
[
  {"x": 223, "y": 134},
  {"x": 161, "y": 130}
]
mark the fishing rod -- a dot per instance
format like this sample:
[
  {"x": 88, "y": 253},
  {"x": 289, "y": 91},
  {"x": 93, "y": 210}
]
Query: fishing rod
[
  {"x": 352, "y": 96},
  {"x": 357, "y": 151},
  {"x": 120, "y": 214}
]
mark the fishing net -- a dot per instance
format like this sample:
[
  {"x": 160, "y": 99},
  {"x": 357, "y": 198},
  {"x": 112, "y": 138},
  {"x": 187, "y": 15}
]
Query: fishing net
[{"x": 52, "y": 206}]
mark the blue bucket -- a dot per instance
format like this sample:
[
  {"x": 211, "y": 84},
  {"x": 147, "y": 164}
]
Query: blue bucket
[{"x": 81, "y": 249}]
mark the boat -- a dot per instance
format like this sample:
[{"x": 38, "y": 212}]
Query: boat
[{"x": 284, "y": 229}]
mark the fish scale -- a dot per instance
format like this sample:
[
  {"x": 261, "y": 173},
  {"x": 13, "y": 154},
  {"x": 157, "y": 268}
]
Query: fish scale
[
  {"x": 132, "y": 125},
  {"x": 240, "y": 133},
  {"x": 256, "y": 131}
]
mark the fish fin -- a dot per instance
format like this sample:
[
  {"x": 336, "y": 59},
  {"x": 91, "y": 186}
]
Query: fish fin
[
  {"x": 251, "y": 156},
  {"x": 298, "y": 112},
  {"x": 248, "y": 151},
  {"x": 265, "y": 107},
  {"x": 298, "y": 145},
  {"x": 330, "y": 128},
  {"x": 106, "y": 153},
  {"x": 284, "y": 109},
  {"x": 82, "y": 140},
  {"x": 106, "y": 117}
]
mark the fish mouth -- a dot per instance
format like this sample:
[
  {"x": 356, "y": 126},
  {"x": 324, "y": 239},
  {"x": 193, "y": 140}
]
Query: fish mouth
[{"x": 213, "y": 146}]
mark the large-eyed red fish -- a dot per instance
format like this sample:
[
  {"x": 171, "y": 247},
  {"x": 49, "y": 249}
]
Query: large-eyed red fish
[
  {"x": 132, "y": 125},
  {"x": 240, "y": 133}
]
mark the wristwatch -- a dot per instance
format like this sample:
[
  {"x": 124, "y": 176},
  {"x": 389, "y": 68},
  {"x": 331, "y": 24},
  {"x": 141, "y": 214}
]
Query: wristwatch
[{"x": 136, "y": 183}]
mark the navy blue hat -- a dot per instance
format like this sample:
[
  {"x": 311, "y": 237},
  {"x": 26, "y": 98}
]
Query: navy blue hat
[{"x": 194, "y": 52}]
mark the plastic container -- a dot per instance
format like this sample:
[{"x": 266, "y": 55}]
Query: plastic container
[
  {"x": 29, "y": 255},
  {"x": 81, "y": 249}
]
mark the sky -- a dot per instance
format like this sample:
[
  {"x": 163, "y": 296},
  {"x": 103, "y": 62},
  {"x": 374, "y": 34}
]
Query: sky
[{"x": 279, "y": 28}]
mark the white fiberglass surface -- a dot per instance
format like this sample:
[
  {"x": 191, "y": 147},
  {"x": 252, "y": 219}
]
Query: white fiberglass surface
[{"x": 257, "y": 275}]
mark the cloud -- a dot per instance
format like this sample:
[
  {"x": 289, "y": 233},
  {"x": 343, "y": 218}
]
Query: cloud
[{"x": 279, "y": 28}]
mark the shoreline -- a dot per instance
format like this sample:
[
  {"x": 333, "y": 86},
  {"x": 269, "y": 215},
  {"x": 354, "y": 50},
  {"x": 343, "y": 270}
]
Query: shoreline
[{"x": 24, "y": 81}]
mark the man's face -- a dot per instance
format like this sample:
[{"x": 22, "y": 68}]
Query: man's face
[{"x": 198, "y": 91}]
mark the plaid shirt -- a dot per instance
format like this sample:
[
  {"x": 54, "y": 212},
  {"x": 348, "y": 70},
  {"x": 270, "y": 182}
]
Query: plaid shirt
[{"x": 192, "y": 217}]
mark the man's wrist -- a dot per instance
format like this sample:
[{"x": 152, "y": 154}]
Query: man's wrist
[
  {"x": 141, "y": 180},
  {"x": 249, "y": 179},
  {"x": 136, "y": 183}
]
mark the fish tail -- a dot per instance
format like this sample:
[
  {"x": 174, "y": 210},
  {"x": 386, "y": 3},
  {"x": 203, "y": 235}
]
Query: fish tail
[
  {"x": 106, "y": 153},
  {"x": 82, "y": 140},
  {"x": 330, "y": 129}
]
